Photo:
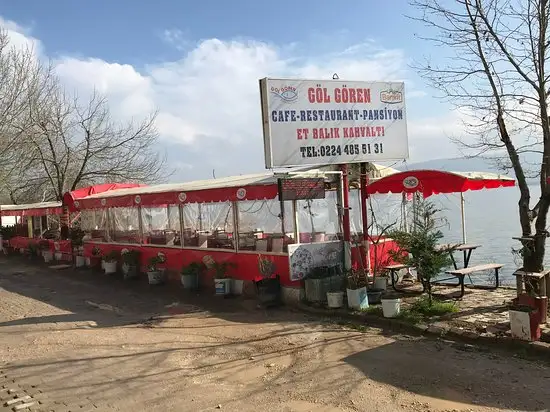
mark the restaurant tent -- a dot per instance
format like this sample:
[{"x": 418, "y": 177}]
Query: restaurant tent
[{"x": 432, "y": 182}]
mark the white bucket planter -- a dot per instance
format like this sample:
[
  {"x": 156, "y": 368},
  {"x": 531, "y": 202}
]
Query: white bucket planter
[
  {"x": 79, "y": 261},
  {"x": 391, "y": 307},
  {"x": 110, "y": 267},
  {"x": 222, "y": 286},
  {"x": 88, "y": 262},
  {"x": 357, "y": 298},
  {"x": 21, "y": 250},
  {"x": 47, "y": 255},
  {"x": 102, "y": 264},
  {"x": 58, "y": 256},
  {"x": 520, "y": 325},
  {"x": 237, "y": 286},
  {"x": 335, "y": 300},
  {"x": 380, "y": 283}
]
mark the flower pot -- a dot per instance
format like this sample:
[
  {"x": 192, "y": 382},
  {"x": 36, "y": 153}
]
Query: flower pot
[
  {"x": 374, "y": 295},
  {"x": 222, "y": 286},
  {"x": 58, "y": 256},
  {"x": 380, "y": 283},
  {"x": 102, "y": 264},
  {"x": 316, "y": 290},
  {"x": 155, "y": 277},
  {"x": 525, "y": 325},
  {"x": 269, "y": 291},
  {"x": 335, "y": 300},
  {"x": 237, "y": 286},
  {"x": 79, "y": 261},
  {"x": 129, "y": 271},
  {"x": 358, "y": 298},
  {"x": 47, "y": 255},
  {"x": 190, "y": 282},
  {"x": 391, "y": 307},
  {"x": 21, "y": 251},
  {"x": 110, "y": 267},
  {"x": 88, "y": 261}
]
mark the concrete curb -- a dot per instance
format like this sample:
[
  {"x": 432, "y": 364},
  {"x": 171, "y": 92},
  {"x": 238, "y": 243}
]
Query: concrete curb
[{"x": 436, "y": 330}]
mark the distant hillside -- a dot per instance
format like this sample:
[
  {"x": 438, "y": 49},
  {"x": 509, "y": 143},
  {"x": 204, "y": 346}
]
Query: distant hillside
[
  {"x": 473, "y": 165},
  {"x": 456, "y": 165}
]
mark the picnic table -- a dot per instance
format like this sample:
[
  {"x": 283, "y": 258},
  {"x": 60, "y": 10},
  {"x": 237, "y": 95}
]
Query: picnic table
[{"x": 465, "y": 248}]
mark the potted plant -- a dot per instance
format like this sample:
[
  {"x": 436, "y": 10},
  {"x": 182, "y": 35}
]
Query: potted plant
[
  {"x": 420, "y": 248},
  {"x": 268, "y": 285},
  {"x": 391, "y": 305},
  {"x": 222, "y": 282},
  {"x": 77, "y": 235},
  {"x": 356, "y": 289},
  {"x": 130, "y": 263},
  {"x": 155, "y": 274},
  {"x": 95, "y": 259},
  {"x": 190, "y": 275},
  {"x": 33, "y": 250},
  {"x": 47, "y": 254},
  {"x": 111, "y": 262},
  {"x": 317, "y": 284},
  {"x": 525, "y": 318}
]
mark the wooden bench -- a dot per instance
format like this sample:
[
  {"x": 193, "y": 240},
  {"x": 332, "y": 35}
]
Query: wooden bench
[
  {"x": 461, "y": 273},
  {"x": 539, "y": 277}
]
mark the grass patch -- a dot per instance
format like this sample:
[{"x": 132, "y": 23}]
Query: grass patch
[
  {"x": 410, "y": 316},
  {"x": 373, "y": 310},
  {"x": 437, "y": 308}
]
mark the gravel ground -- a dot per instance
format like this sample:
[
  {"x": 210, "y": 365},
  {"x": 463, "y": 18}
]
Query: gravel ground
[{"x": 78, "y": 341}]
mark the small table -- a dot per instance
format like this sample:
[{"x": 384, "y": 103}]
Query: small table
[
  {"x": 393, "y": 269},
  {"x": 539, "y": 277}
]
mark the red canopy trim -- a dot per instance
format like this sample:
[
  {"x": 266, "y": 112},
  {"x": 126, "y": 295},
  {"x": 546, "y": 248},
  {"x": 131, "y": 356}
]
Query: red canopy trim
[
  {"x": 34, "y": 209},
  {"x": 69, "y": 198},
  {"x": 432, "y": 182},
  {"x": 161, "y": 199}
]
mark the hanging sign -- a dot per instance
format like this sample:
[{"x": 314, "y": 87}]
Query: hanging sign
[{"x": 301, "y": 189}]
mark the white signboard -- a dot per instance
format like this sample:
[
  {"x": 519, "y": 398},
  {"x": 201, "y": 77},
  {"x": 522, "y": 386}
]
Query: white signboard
[
  {"x": 318, "y": 122},
  {"x": 303, "y": 257}
]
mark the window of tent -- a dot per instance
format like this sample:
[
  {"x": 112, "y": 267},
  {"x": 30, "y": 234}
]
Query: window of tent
[
  {"x": 318, "y": 219},
  {"x": 124, "y": 225},
  {"x": 94, "y": 223},
  {"x": 260, "y": 225},
  {"x": 208, "y": 225},
  {"x": 161, "y": 225}
]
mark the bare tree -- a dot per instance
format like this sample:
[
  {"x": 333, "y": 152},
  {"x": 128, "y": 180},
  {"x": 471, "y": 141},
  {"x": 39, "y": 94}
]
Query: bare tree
[
  {"x": 496, "y": 72},
  {"x": 70, "y": 144},
  {"x": 23, "y": 79}
]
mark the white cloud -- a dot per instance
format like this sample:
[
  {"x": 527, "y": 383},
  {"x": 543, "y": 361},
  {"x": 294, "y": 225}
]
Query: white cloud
[{"x": 208, "y": 101}]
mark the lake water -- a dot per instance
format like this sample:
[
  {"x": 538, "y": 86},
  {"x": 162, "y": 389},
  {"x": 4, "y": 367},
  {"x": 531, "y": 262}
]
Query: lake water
[{"x": 491, "y": 221}]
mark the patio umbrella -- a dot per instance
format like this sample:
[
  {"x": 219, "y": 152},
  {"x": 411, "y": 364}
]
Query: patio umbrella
[{"x": 432, "y": 182}]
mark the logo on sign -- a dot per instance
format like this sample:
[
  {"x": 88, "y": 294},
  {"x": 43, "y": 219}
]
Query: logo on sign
[
  {"x": 182, "y": 197},
  {"x": 76, "y": 204},
  {"x": 410, "y": 182},
  {"x": 391, "y": 96},
  {"x": 137, "y": 199},
  {"x": 103, "y": 202},
  {"x": 287, "y": 94}
]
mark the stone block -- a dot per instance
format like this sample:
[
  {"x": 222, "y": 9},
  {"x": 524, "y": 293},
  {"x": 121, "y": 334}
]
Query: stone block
[{"x": 23, "y": 406}]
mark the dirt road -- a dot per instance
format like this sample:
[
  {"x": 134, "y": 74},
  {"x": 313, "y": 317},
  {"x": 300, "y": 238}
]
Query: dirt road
[{"x": 78, "y": 341}]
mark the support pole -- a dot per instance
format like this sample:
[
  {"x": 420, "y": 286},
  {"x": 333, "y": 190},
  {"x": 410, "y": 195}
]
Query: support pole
[
  {"x": 345, "y": 217},
  {"x": 463, "y": 217},
  {"x": 364, "y": 181}
]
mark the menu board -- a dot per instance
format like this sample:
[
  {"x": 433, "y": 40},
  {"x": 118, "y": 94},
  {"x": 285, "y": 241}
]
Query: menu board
[{"x": 301, "y": 189}]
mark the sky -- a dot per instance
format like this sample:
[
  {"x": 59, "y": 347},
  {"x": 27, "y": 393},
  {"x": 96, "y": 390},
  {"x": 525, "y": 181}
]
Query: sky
[{"x": 198, "y": 65}]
